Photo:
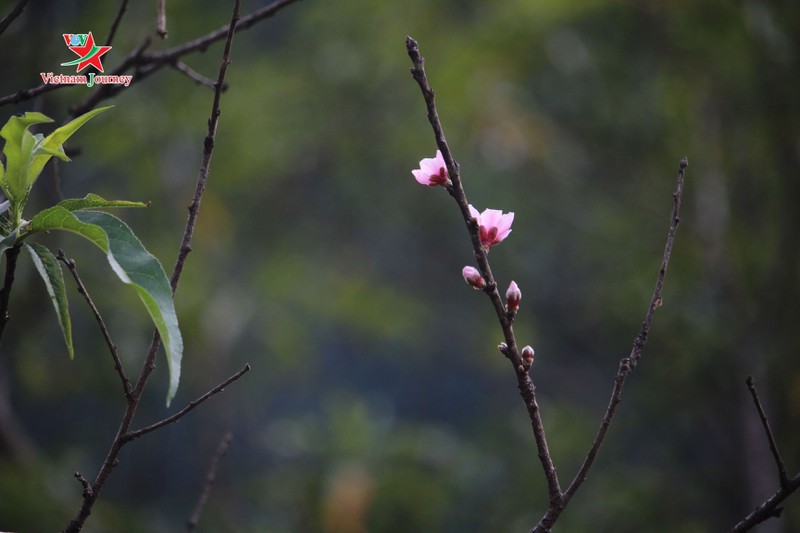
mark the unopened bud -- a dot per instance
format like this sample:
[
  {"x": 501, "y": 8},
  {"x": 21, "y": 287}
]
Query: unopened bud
[
  {"x": 527, "y": 355},
  {"x": 513, "y": 297},
  {"x": 473, "y": 277}
]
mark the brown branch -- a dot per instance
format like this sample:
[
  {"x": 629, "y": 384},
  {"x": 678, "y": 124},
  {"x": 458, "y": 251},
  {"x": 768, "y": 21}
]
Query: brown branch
[
  {"x": 195, "y": 76},
  {"x": 8, "y": 282},
  {"x": 161, "y": 21},
  {"x": 211, "y": 477},
  {"x": 770, "y": 508},
  {"x": 783, "y": 477},
  {"x": 15, "y": 12},
  {"x": 509, "y": 348},
  {"x": 143, "y": 65},
  {"x": 114, "y": 25},
  {"x": 123, "y": 436},
  {"x": 131, "y": 435},
  {"x": 626, "y": 365},
  {"x": 112, "y": 347}
]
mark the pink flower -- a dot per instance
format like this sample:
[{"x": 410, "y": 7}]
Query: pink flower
[
  {"x": 493, "y": 225},
  {"x": 513, "y": 297},
  {"x": 473, "y": 277},
  {"x": 432, "y": 171}
]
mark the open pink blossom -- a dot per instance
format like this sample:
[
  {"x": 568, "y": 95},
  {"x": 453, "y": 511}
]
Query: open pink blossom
[
  {"x": 432, "y": 171},
  {"x": 493, "y": 225}
]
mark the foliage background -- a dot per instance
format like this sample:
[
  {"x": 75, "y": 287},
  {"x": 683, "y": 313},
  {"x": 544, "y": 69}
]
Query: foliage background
[{"x": 377, "y": 399}]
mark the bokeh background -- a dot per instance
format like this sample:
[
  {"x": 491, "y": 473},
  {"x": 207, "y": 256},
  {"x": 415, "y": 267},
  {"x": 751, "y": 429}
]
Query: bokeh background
[{"x": 377, "y": 399}]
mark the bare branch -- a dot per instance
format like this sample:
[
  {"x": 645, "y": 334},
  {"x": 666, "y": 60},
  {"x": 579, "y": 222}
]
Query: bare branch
[
  {"x": 15, "y": 12},
  {"x": 114, "y": 25},
  {"x": 8, "y": 282},
  {"x": 112, "y": 347},
  {"x": 183, "y": 412},
  {"x": 195, "y": 76},
  {"x": 161, "y": 22},
  {"x": 626, "y": 365},
  {"x": 773, "y": 446},
  {"x": 211, "y": 477},
  {"x": 143, "y": 65},
  {"x": 509, "y": 348}
]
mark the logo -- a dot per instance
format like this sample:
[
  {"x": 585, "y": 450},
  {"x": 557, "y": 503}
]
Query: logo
[{"x": 89, "y": 54}]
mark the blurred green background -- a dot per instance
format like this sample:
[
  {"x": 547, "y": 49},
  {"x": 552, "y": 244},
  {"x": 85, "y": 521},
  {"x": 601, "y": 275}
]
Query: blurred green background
[{"x": 377, "y": 399}]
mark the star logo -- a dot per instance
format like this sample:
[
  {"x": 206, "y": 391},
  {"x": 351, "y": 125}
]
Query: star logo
[{"x": 88, "y": 52}]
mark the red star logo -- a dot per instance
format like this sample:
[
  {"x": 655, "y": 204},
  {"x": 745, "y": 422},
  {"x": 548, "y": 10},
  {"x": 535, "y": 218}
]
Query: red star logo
[{"x": 88, "y": 54}]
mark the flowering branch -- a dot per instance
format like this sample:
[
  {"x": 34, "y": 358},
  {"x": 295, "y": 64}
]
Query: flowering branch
[{"x": 478, "y": 227}]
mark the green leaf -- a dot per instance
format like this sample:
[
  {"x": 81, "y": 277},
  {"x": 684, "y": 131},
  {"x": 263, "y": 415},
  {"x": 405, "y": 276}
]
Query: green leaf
[
  {"x": 93, "y": 201},
  {"x": 50, "y": 271},
  {"x": 133, "y": 264},
  {"x": 52, "y": 144},
  {"x": 19, "y": 149}
]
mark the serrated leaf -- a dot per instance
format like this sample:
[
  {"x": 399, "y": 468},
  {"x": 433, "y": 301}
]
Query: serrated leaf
[
  {"x": 93, "y": 201},
  {"x": 133, "y": 264},
  {"x": 50, "y": 271}
]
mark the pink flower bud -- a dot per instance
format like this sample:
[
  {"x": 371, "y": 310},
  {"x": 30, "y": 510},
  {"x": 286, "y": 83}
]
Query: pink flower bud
[
  {"x": 513, "y": 297},
  {"x": 473, "y": 277},
  {"x": 432, "y": 171},
  {"x": 527, "y": 355},
  {"x": 493, "y": 225}
]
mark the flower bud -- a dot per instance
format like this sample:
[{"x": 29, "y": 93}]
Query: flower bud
[
  {"x": 473, "y": 277},
  {"x": 513, "y": 297},
  {"x": 527, "y": 355}
]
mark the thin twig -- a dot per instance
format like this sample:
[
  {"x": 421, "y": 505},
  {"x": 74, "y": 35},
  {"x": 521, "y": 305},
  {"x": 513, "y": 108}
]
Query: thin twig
[
  {"x": 114, "y": 25},
  {"x": 112, "y": 347},
  {"x": 8, "y": 282},
  {"x": 8, "y": 19},
  {"x": 509, "y": 348},
  {"x": 143, "y": 65},
  {"x": 131, "y": 435},
  {"x": 195, "y": 76},
  {"x": 161, "y": 22},
  {"x": 211, "y": 477},
  {"x": 123, "y": 435},
  {"x": 773, "y": 446},
  {"x": 626, "y": 365}
]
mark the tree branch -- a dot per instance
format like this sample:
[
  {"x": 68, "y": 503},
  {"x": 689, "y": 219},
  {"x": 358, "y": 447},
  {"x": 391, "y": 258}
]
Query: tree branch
[
  {"x": 15, "y": 12},
  {"x": 112, "y": 347},
  {"x": 626, "y": 365},
  {"x": 211, "y": 477},
  {"x": 131, "y": 435},
  {"x": 509, "y": 348},
  {"x": 8, "y": 282},
  {"x": 161, "y": 19},
  {"x": 123, "y": 436},
  {"x": 783, "y": 477},
  {"x": 114, "y": 25},
  {"x": 143, "y": 65}
]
